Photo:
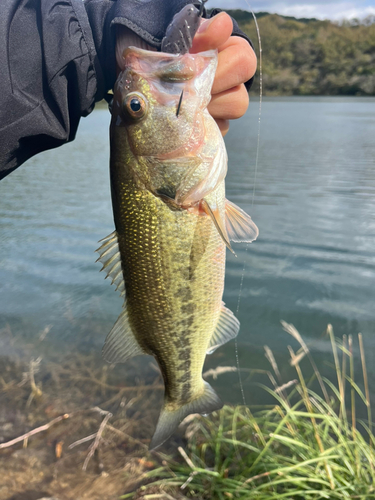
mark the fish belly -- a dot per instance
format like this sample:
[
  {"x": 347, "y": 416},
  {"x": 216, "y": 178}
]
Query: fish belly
[{"x": 173, "y": 263}]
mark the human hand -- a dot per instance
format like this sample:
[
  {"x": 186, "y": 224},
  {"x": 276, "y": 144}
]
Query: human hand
[{"x": 237, "y": 64}]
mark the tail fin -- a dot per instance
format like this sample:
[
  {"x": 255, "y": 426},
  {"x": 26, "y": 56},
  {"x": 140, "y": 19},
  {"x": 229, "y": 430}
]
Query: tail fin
[{"x": 170, "y": 420}]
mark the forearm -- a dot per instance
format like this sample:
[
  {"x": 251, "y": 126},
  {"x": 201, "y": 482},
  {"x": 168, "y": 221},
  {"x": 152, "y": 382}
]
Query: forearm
[
  {"x": 58, "y": 59},
  {"x": 50, "y": 79}
]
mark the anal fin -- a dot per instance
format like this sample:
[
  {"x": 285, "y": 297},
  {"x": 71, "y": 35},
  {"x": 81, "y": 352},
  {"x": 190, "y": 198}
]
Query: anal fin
[
  {"x": 239, "y": 225},
  {"x": 227, "y": 328},
  {"x": 121, "y": 343}
]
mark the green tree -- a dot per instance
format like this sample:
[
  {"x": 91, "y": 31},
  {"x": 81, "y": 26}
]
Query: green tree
[{"x": 312, "y": 57}]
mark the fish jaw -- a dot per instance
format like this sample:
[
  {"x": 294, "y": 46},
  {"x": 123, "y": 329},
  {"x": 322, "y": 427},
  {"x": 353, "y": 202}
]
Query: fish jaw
[
  {"x": 160, "y": 135},
  {"x": 181, "y": 157}
]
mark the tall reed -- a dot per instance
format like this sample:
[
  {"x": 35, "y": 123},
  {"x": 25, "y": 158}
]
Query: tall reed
[{"x": 308, "y": 446}]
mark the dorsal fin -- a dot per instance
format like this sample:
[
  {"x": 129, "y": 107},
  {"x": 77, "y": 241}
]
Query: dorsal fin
[
  {"x": 227, "y": 328},
  {"x": 109, "y": 256}
]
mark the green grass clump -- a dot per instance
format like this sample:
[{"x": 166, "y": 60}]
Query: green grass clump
[{"x": 306, "y": 447}]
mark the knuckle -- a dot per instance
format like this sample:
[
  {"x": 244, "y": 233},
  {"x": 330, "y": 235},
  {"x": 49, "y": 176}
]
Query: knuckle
[
  {"x": 240, "y": 102},
  {"x": 231, "y": 104},
  {"x": 244, "y": 61}
]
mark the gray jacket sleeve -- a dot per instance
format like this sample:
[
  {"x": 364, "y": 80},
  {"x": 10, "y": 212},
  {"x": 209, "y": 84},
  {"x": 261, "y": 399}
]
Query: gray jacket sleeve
[{"x": 58, "y": 59}]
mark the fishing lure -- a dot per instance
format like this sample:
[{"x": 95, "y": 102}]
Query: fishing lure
[{"x": 180, "y": 32}]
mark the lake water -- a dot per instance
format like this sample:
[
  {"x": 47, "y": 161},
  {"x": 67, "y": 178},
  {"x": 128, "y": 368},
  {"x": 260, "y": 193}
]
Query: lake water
[{"x": 313, "y": 264}]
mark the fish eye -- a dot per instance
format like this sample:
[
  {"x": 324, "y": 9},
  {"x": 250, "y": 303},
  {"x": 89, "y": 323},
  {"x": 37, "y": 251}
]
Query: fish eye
[{"x": 135, "y": 105}]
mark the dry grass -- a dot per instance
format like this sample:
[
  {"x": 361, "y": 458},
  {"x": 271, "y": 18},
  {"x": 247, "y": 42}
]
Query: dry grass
[{"x": 307, "y": 446}]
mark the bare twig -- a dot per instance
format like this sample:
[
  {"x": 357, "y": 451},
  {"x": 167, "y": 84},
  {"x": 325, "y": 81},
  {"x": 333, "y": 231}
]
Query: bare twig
[
  {"x": 259, "y": 476},
  {"x": 29, "y": 377},
  {"x": 6, "y": 385},
  {"x": 186, "y": 458},
  {"x": 98, "y": 437},
  {"x": 102, "y": 412},
  {"x": 83, "y": 440},
  {"x": 127, "y": 436},
  {"x": 35, "y": 390},
  {"x": 42, "y": 428},
  {"x": 164, "y": 496},
  {"x": 43, "y": 334},
  {"x": 189, "y": 479},
  {"x": 215, "y": 372},
  {"x": 291, "y": 383}
]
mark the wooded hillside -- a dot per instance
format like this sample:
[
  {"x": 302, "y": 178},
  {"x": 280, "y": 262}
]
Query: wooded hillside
[{"x": 312, "y": 57}]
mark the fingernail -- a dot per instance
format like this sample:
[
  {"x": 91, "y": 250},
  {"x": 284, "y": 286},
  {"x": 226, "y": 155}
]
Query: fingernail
[{"x": 205, "y": 23}]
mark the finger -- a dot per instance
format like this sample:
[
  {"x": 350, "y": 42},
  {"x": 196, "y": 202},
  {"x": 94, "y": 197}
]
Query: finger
[
  {"x": 230, "y": 104},
  {"x": 237, "y": 64},
  {"x": 223, "y": 126},
  {"x": 212, "y": 33}
]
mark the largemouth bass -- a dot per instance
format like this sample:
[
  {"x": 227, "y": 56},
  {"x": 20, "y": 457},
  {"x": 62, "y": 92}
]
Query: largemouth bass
[{"x": 173, "y": 223}]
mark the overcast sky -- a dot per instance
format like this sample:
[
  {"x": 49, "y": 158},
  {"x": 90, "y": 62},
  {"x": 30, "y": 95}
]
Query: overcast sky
[{"x": 330, "y": 9}]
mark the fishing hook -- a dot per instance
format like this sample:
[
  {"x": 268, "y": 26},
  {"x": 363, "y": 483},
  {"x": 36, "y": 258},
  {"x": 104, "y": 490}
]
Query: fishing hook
[
  {"x": 202, "y": 7},
  {"x": 179, "y": 103}
]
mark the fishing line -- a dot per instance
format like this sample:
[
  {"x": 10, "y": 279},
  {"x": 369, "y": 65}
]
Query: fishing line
[{"x": 253, "y": 195}]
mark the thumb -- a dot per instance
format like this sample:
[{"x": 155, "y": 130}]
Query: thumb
[{"x": 212, "y": 33}]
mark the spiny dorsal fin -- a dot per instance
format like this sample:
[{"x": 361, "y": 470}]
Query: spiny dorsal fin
[
  {"x": 217, "y": 220},
  {"x": 120, "y": 343},
  {"x": 109, "y": 256},
  {"x": 239, "y": 226},
  {"x": 226, "y": 329}
]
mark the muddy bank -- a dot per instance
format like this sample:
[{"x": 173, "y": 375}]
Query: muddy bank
[{"x": 101, "y": 418}]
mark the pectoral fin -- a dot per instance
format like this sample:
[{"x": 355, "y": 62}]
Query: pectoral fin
[
  {"x": 121, "y": 343},
  {"x": 239, "y": 226},
  {"x": 218, "y": 221},
  {"x": 227, "y": 328}
]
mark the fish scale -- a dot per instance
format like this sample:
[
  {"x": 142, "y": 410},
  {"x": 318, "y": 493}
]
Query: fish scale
[{"x": 173, "y": 311}]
